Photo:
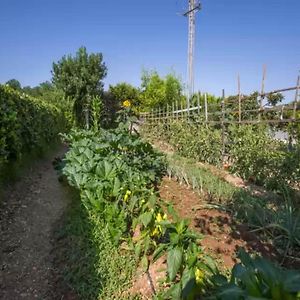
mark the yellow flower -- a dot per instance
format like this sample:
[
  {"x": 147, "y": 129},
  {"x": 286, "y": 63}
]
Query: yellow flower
[
  {"x": 128, "y": 193},
  {"x": 159, "y": 217},
  {"x": 126, "y": 103},
  {"x": 199, "y": 276},
  {"x": 155, "y": 232}
]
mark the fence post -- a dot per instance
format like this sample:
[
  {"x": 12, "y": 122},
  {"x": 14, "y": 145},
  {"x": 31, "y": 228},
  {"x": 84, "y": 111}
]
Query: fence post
[
  {"x": 205, "y": 107},
  {"x": 198, "y": 102},
  {"x": 167, "y": 114},
  {"x": 181, "y": 110},
  {"x": 262, "y": 92},
  {"x": 240, "y": 98},
  {"x": 172, "y": 111},
  {"x": 223, "y": 125},
  {"x": 151, "y": 118}
]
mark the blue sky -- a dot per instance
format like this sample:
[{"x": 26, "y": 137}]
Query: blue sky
[{"x": 232, "y": 36}]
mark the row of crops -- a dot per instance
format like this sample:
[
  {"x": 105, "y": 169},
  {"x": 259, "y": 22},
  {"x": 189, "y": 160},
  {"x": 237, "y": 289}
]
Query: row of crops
[
  {"x": 26, "y": 124},
  {"x": 249, "y": 151},
  {"x": 117, "y": 175}
]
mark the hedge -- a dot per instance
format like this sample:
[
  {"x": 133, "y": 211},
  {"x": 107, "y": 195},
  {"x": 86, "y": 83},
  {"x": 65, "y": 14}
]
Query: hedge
[{"x": 26, "y": 123}]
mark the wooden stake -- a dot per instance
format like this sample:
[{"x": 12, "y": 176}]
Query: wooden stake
[
  {"x": 296, "y": 98},
  {"x": 198, "y": 102},
  {"x": 240, "y": 98},
  {"x": 223, "y": 125},
  {"x": 205, "y": 107},
  {"x": 262, "y": 91}
]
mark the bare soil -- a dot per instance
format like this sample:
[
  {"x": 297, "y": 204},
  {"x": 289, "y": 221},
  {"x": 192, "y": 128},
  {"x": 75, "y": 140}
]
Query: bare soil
[
  {"x": 29, "y": 212},
  {"x": 222, "y": 237}
]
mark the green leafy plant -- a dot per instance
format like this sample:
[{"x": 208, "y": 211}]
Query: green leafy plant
[{"x": 257, "y": 279}]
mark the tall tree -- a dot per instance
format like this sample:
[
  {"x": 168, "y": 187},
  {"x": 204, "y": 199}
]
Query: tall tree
[{"x": 80, "y": 77}]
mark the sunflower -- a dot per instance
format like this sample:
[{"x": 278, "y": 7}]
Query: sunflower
[{"x": 126, "y": 103}]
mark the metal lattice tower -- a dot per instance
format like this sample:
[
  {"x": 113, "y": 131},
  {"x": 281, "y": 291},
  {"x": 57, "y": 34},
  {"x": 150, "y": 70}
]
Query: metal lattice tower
[{"x": 194, "y": 6}]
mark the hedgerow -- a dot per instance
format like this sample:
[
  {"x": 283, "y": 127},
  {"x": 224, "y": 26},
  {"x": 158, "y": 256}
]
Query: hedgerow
[{"x": 26, "y": 123}]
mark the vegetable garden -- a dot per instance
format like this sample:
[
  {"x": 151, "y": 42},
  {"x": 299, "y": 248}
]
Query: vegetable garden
[
  {"x": 121, "y": 229},
  {"x": 117, "y": 174}
]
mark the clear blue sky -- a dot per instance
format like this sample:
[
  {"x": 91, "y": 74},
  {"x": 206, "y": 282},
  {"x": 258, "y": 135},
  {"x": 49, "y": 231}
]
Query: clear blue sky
[{"x": 232, "y": 36}]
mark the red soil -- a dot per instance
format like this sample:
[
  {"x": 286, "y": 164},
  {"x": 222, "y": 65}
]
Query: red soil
[{"x": 222, "y": 237}]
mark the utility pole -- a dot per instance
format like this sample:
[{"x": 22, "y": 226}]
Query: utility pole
[{"x": 194, "y": 6}]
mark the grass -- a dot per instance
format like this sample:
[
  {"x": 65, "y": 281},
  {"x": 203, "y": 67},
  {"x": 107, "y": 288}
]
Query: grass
[{"x": 93, "y": 267}]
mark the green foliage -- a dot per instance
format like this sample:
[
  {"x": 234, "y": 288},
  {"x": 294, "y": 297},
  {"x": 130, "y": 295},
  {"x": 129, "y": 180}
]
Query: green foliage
[
  {"x": 93, "y": 266},
  {"x": 157, "y": 92},
  {"x": 52, "y": 95},
  {"x": 256, "y": 156},
  {"x": 274, "y": 99},
  {"x": 124, "y": 91},
  {"x": 251, "y": 151},
  {"x": 258, "y": 279},
  {"x": 189, "y": 270},
  {"x": 277, "y": 220},
  {"x": 190, "y": 139},
  {"x": 96, "y": 113},
  {"x": 14, "y": 84},
  {"x": 113, "y": 100},
  {"x": 80, "y": 78},
  {"x": 26, "y": 123},
  {"x": 117, "y": 173}
]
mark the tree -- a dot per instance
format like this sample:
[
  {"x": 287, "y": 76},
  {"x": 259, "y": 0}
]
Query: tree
[
  {"x": 124, "y": 91},
  {"x": 80, "y": 78},
  {"x": 15, "y": 84},
  {"x": 173, "y": 89},
  {"x": 158, "y": 92}
]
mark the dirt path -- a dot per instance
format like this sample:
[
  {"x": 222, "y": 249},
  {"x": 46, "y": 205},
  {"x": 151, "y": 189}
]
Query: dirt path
[{"x": 29, "y": 211}]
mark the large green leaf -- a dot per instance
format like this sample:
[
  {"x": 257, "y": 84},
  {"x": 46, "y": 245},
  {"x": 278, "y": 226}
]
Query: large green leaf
[
  {"x": 174, "y": 261},
  {"x": 188, "y": 283},
  {"x": 146, "y": 218}
]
